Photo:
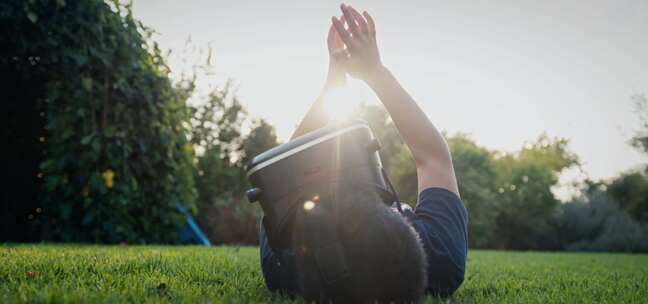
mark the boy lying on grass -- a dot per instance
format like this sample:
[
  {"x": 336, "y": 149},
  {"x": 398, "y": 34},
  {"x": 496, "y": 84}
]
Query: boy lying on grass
[{"x": 392, "y": 257}]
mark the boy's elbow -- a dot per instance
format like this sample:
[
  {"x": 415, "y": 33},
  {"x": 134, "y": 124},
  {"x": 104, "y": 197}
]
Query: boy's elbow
[
  {"x": 455, "y": 279},
  {"x": 445, "y": 283}
]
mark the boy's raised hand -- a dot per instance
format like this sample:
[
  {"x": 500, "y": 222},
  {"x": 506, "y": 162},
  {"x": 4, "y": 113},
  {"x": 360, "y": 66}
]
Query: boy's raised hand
[
  {"x": 337, "y": 59},
  {"x": 363, "y": 58},
  {"x": 335, "y": 45}
]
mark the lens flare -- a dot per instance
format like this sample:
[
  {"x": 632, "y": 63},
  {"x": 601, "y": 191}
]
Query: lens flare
[{"x": 309, "y": 205}]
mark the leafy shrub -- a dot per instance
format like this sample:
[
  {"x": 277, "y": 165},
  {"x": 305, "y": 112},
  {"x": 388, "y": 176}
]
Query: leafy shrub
[
  {"x": 223, "y": 211},
  {"x": 595, "y": 222},
  {"x": 630, "y": 189},
  {"x": 117, "y": 158}
]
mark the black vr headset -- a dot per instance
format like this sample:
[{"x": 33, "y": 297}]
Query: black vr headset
[{"x": 304, "y": 175}]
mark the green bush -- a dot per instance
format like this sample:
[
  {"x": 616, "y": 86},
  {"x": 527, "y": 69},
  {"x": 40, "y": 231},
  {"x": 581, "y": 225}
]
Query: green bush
[
  {"x": 595, "y": 222},
  {"x": 117, "y": 157},
  {"x": 223, "y": 152}
]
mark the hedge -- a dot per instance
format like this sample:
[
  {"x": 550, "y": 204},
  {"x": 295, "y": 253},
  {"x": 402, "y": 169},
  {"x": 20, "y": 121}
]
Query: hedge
[{"x": 115, "y": 155}]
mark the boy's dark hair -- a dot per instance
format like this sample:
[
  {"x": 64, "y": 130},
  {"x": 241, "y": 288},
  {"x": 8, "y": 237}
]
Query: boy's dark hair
[{"x": 381, "y": 249}]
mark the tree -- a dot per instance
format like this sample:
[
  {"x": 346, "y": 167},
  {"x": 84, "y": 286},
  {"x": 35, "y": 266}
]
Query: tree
[
  {"x": 609, "y": 215},
  {"x": 217, "y": 122},
  {"x": 640, "y": 140},
  {"x": 261, "y": 138},
  {"x": 116, "y": 157},
  {"x": 594, "y": 222},
  {"x": 525, "y": 201},
  {"x": 630, "y": 189},
  {"x": 220, "y": 166}
]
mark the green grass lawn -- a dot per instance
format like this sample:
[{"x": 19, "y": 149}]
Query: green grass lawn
[{"x": 66, "y": 273}]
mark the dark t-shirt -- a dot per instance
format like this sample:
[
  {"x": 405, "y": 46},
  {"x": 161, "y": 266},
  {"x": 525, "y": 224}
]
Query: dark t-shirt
[{"x": 440, "y": 219}]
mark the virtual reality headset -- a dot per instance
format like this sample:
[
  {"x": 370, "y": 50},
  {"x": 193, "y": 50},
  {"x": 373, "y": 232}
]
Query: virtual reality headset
[{"x": 301, "y": 172}]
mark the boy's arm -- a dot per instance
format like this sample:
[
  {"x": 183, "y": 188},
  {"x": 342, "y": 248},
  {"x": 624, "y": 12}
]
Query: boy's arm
[
  {"x": 316, "y": 117},
  {"x": 429, "y": 148}
]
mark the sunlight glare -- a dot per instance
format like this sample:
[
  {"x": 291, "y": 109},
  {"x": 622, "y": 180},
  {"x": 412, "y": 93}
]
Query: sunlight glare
[{"x": 340, "y": 103}]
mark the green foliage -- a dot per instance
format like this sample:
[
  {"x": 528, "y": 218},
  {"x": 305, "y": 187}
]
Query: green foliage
[
  {"x": 630, "y": 190},
  {"x": 138, "y": 274},
  {"x": 594, "y": 222},
  {"x": 215, "y": 132},
  {"x": 217, "y": 122},
  {"x": 640, "y": 140},
  {"x": 610, "y": 215},
  {"x": 525, "y": 202},
  {"x": 117, "y": 157},
  {"x": 402, "y": 172},
  {"x": 220, "y": 169},
  {"x": 261, "y": 138}
]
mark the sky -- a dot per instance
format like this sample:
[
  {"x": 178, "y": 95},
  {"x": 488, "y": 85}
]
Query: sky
[{"x": 504, "y": 72}]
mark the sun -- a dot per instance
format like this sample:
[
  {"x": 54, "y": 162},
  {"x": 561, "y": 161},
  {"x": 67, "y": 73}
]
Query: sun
[{"x": 340, "y": 103}]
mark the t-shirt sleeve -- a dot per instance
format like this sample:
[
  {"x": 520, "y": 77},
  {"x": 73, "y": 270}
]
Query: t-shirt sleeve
[{"x": 441, "y": 221}]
